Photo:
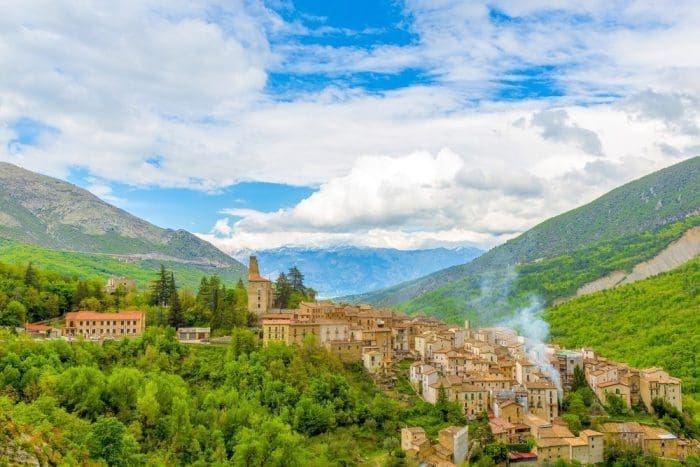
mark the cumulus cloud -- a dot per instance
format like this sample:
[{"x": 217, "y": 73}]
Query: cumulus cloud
[
  {"x": 421, "y": 200},
  {"x": 184, "y": 84},
  {"x": 556, "y": 126},
  {"x": 679, "y": 112}
]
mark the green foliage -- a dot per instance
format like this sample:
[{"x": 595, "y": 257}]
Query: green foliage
[
  {"x": 110, "y": 442},
  {"x": 103, "y": 266},
  {"x": 498, "y": 452},
  {"x": 649, "y": 323},
  {"x": 674, "y": 420},
  {"x": 151, "y": 400},
  {"x": 14, "y": 314},
  {"x": 290, "y": 290},
  {"x": 621, "y": 454},
  {"x": 579, "y": 380},
  {"x": 573, "y": 421},
  {"x": 615, "y": 405}
]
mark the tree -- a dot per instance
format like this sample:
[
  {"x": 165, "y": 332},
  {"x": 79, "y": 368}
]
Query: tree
[
  {"x": 313, "y": 418},
  {"x": 243, "y": 342},
  {"x": 176, "y": 318},
  {"x": 296, "y": 280},
  {"x": 80, "y": 390},
  {"x": 160, "y": 289},
  {"x": 81, "y": 293},
  {"x": 110, "y": 441},
  {"x": 573, "y": 421},
  {"x": 497, "y": 451},
  {"x": 579, "y": 381},
  {"x": 271, "y": 444},
  {"x": 15, "y": 314},
  {"x": 30, "y": 276},
  {"x": 283, "y": 291},
  {"x": 121, "y": 392},
  {"x": 615, "y": 405}
]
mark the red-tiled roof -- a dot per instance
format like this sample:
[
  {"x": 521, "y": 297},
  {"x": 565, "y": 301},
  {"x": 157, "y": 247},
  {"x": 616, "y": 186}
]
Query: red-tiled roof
[
  {"x": 95, "y": 315},
  {"x": 257, "y": 278},
  {"x": 36, "y": 327}
]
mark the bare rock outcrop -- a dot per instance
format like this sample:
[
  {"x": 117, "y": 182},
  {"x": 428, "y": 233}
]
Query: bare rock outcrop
[{"x": 674, "y": 255}]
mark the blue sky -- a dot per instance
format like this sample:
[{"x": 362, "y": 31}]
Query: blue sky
[{"x": 402, "y": 124}]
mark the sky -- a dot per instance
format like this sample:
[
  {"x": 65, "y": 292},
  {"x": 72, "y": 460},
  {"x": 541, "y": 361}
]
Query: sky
[{"x": 414, "y": 124}]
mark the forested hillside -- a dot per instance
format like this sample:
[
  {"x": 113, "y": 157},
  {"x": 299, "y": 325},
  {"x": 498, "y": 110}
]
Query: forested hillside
[
  {"x": 654, "y": 322},
  {"x": 29, "y": 294},
  {"x": 153, "y": 401},
  {"x": 493, "y": 295}
]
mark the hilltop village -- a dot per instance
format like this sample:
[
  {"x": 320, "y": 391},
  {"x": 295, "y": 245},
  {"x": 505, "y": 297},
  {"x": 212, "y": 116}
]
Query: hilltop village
[
  {"x": 512, "y": 384},
  {"x": 517, "y": 383}
]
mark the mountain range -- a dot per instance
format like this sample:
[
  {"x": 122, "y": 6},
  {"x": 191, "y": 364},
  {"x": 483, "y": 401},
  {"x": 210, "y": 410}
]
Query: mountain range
[
  {"x": 349, "y": 270},
  {"x": 617, "y": 231}
]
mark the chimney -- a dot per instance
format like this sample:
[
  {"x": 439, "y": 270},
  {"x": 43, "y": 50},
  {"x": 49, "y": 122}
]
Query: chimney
[{"x": 253, "y": 270}]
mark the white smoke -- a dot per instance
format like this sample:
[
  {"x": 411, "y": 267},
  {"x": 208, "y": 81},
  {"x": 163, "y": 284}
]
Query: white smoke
[
  {"x": 529, "y": 323},
  {"x": 495, "y": 296}
]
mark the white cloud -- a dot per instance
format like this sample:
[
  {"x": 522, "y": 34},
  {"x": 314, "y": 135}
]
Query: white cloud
[
  {"x": 555, "y": 126},
  {"x": 422, "y": 200},
  {"x": 185, "y": 81}
]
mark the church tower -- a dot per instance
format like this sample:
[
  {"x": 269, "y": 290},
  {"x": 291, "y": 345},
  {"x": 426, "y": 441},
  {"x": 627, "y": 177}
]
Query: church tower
[{"x": 260, "y": 297}]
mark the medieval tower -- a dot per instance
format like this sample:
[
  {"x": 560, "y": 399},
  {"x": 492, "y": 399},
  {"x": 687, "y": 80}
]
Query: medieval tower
[{"x": 260, "y": 297}]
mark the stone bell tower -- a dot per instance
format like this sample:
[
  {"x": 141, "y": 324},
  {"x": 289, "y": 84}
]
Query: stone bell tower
[{"x": 260, "y": 297}]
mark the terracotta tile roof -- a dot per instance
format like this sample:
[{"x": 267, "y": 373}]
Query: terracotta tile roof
[
  {"x": 32, "y": 327},
  {"x": 94, "y": 315},
  {"x": 550, "y": 442}
]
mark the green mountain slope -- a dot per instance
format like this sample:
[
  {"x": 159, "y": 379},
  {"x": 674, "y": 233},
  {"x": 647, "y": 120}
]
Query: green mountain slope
[
  {"x": 634, "y": 216},
  {"x": 52, "y": 214},
  {"x": 89, "y": 265},
  {"x": 654, "y": 322}
]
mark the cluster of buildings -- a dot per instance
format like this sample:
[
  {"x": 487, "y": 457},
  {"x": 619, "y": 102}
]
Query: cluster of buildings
[
  {"x": 518, "y": 384},
  {"x": 450, "y": 449},
  {"x": 633, "y": 385},
  {"x": 651, "y": 440},
  {"x": 490, "y": 371}
]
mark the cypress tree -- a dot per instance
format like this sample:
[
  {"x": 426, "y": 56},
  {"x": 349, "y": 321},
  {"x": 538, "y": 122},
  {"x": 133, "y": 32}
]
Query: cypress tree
[
  {"x": 296, "y": 280},
  {"x": 160, "y": 294},
  {"x": 283, "y": 291},
  {"x": 176, "y": 319},
  {"x": 30, "y": 276}
]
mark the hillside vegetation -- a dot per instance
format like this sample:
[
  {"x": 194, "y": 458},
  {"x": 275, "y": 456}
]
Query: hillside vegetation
[
  {"x": 493, "y": 295},
  {"x": 152, "y": 401},
  {"x": 50, "y": 213},
  {"x": 93, "y": 265},
  {"x": 644, "y": 205},
  {"x": 654, "y": 322}
]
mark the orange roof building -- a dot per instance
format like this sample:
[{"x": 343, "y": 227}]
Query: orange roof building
[{"x": 95, "y": 325}]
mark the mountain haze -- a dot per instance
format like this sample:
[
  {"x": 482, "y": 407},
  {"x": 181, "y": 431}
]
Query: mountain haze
[
  {"x": 350, "y": 270},
  {"x": 53, "y": 214},
  {"x": 625, "y": 226}
]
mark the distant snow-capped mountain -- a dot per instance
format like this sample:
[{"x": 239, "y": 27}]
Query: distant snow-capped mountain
[{"x": 341, "y": 271}]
